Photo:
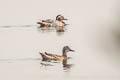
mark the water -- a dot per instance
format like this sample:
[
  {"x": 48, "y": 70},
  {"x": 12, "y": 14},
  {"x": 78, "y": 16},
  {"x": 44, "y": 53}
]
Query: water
[{"x": 93, "y": 32}]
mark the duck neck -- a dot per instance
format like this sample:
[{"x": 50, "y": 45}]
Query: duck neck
[{"x": 64, "y": 53}]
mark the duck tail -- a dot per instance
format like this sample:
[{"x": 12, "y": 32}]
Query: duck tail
[
  {"x": 43, "y": 56},
  {"x": 39, "y": 22},
  {"x": 46, "y": 53}
]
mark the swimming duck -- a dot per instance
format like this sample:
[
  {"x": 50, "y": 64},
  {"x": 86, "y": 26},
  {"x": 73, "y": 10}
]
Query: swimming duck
[
  {"x": 48, "y": 56},
  {"x": 53, "y": 23}
]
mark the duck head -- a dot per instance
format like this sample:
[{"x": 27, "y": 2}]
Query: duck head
[
  {"x": 66, "y": 49},
  {"x": 60, "y": 18}
]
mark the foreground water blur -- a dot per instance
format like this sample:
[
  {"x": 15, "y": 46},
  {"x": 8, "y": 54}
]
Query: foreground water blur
[{"x": 93, "y": 32}]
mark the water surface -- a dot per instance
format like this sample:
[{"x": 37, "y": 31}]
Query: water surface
[{"x": 93, "y": 32}]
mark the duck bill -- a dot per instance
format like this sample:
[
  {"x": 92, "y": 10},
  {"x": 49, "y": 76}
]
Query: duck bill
[
  {"x": 72, "y": 50},
  {"x": 65, "y": 19}
]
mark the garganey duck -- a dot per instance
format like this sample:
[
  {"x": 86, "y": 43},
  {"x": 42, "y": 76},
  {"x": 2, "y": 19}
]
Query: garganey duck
[
  {"x": 58, "y": 23},
  {"x": 48, "y": 56}
]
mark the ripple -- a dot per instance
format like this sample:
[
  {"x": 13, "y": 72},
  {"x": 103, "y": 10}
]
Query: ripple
[
  {"x": 9, "y": 26},
  {"x": 19, "y": 59}
]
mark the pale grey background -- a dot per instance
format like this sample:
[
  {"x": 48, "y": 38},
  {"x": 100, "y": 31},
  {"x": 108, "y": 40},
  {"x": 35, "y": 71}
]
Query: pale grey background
[{"x": 94, "y": 33}]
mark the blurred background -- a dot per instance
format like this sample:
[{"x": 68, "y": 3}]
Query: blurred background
[{"x": 93, "y": 32}]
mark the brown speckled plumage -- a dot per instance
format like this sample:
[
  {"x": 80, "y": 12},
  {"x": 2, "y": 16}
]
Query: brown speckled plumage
[{"x": 49, "y": 56}]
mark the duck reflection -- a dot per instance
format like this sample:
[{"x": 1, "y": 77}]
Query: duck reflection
[
  {"x": 45, "y": 30},
  {"x": 50, "y": 29},
  {"x": 60, "y": 33},
  {"x": 45, "y": 64},
  {"x": 66, "y": 66}
]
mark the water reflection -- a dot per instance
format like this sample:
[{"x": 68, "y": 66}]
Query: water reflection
[
  {"x": 65, "y": 65},
  {"x": 45, "y": 30},
  {"x": 60, "y": 33},
  {"x": 49, "y": 30},
  {"x": 45, "y": 64}
]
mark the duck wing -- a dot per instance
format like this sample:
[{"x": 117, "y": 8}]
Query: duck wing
[
  {"x": 54, "y": 55},
  {"x": 48, "y": 21},
  {"x": 46, "y": 56},
  {"x": 44, "y": 24}
]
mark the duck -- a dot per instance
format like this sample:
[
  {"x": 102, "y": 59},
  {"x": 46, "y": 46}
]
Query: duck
[
  {"x": 58, "y": 23},
  {"x": 49, "y": 56}
]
